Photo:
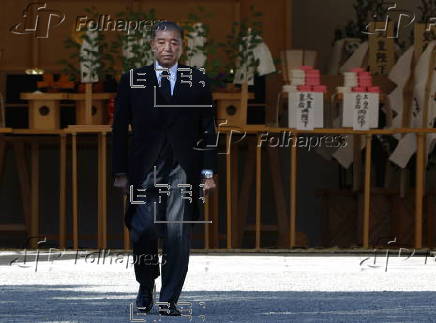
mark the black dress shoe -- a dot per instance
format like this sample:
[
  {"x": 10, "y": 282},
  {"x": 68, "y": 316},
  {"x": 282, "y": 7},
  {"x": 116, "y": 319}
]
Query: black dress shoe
[
  {"x": 144, "y": 300},
  {"x": 171, "y": 310}
]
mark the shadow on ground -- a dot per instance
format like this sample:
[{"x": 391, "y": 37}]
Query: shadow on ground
[{"x": 72, "y": 303}]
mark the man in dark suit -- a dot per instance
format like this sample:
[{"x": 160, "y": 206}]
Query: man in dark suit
[{"x": 168, "y": 165}]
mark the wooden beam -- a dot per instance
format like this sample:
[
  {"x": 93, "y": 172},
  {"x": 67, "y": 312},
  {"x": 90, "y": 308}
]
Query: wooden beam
[
  {"x": 367, "y": 192},
  {"x": 13, "y": 227},
  {"x": 430, "y": 226},
  {"x": 279, "y": 197},
  {"x": 258, "y": 189},
  {"x": 421, "y": 153},
  {"x": 62, "y": 191},
  {"x": 74, "y": 191},
  {"x": 102, "y": 194},
  {"x": 419, "y": 191},
  {"x": 88, "y": 103},
  {"x": 357, "y": 162},
  {"x": 408, "y": 97},
  {"x": 235, "y": 195},
  {"x": 293, "y": 197},
  {"x": 229, "y": 189},
  {"x": 246, "y": 187},
  {"x": 34, "y": 219}
]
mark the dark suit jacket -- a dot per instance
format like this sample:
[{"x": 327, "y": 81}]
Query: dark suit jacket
[{"x": 190, "y": 130}]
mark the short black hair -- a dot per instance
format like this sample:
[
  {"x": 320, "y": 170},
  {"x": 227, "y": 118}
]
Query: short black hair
[{"x": 166, "y": 25}]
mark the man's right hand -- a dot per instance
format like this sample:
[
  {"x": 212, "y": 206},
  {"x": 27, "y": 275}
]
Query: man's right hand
[{"x": 121, "y": 181}]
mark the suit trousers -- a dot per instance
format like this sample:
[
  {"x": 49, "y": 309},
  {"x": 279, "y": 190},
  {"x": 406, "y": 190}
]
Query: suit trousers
[{"x": 164, "y": 202}]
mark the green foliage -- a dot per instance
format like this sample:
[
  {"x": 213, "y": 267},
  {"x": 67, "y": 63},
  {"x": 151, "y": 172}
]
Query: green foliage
[
  {"x": 209, "y": 48},
  {"x": 244, "y": 37},
  {"x": 190, "y": 26},
  {"x": 100, "y": 62},
  {"x": 427, "y": 10},
  {"x": 238, "y": 47},
  {"x": 71, "y": 66},
  {"x": 139, "y": 40},
  {"x": 366, "y": 11}
]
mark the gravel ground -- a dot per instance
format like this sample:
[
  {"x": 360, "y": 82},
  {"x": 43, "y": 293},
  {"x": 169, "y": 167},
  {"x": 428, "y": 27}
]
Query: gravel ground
[{"x": 222, "y": 288}]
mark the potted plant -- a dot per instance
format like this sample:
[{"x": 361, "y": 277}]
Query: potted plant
[
  {"x": 196, "y": 28},
  {"x": 133, "y": 48},
  {"x": 244, "y": 37},
  {"x": 98, "y": 63}
]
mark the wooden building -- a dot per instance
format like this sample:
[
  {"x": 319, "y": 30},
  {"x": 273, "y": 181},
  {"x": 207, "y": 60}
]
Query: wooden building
[{"x": 54, "y": 147}]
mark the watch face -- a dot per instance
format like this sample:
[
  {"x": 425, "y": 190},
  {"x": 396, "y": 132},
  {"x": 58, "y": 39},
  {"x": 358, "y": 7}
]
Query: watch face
[{"x": 207, "y": 175}]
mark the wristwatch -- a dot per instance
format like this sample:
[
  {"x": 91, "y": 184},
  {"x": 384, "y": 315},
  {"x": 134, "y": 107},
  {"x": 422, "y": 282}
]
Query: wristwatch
[{"x": 207, "y": 173}]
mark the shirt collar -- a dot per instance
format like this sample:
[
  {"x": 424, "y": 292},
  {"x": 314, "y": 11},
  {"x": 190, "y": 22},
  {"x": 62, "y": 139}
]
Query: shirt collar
[{"x": 172, "y": 70}]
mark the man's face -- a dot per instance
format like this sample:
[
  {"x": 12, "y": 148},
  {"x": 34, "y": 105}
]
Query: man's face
[{"x": 167, "y": 47}]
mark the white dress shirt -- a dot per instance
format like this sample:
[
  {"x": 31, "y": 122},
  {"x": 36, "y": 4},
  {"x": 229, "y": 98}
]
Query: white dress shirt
[{"x": 173, "y": 74}]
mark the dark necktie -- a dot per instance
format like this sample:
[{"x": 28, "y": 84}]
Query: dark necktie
[{"x": 165, "y": 85}]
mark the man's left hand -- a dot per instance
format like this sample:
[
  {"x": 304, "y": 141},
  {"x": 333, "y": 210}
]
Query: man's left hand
[{"x": 209, "y": 184}]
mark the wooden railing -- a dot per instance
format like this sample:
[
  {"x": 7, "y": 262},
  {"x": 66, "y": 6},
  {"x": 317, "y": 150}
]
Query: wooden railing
[{"x": 253, "y": 130}]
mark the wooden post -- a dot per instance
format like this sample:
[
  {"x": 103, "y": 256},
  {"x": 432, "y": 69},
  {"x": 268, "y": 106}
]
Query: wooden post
[
  {"x": 235, "y": 194},
  {"x": 421, "y": 155},
  {"x": 244, "y": 102},
  {"x": 258, "y": 189},
  {"x": 293, "y": 197},
  {"x": 99, "y": 194},
  {"x": 74, "y": 191},
  {"x": 406, "y": 116},
  {"x": 34, "y": 221},
  {"x": 279, "y": 197},
  {"x": 104, "y": 188},
  {"x": 246, "y": 187},
  {"x": 431, "y": 215},
  {"x": 88, "y": 103},
  {"x": 62, "y": 191},
  {"x": 367, "y": 192},
  {"x": 229, "y": 189},
  {"x": 381, "y": 53},
  {"x": 357, "y": 162},
  {"x": 419, "y": 191},
  {"x": 102, "y": 195}
]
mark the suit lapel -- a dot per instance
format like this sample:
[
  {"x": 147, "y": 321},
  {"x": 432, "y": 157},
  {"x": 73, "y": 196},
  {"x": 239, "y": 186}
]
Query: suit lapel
[{"x": 153, "y": 75}]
